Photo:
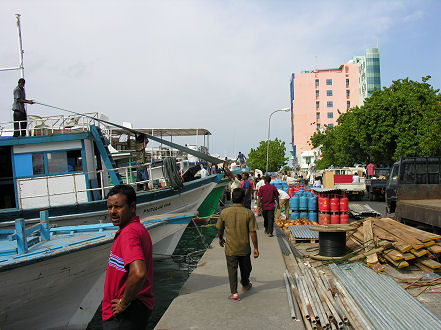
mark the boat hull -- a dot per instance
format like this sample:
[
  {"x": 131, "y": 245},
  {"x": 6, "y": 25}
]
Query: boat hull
[
  {"x": 164, "y": 201},
  {"x": 64, "y": 292}
]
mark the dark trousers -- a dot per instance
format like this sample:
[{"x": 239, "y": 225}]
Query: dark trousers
[
  {"x": 135, "y": 317},
  {"x": 247, "y": 204},
  {"x": 268, "y": 220},
  {"x": 244, "y": 263},
  {"x": 20, "y": 123}
]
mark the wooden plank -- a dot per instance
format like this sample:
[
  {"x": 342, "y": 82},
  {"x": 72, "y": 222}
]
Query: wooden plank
[
  {"x": 394, "y": 254},
  {"x": 398, "y": 264},
  {"x": 429, "y": 243},
  {"x": 427, "y": 269},
  {"x": 408, "y": 256},
  {"x": 399, "y": 244},
  {"x": 435, "y": 249},
  {"x": 368, "y": 239},
  {"x": 419, "y": 253},
  {"x": 391, "y": 228},
  {"x": 421, "y": 235},
  {"x": 378, "y": 268},
  {"x": 432, "y": 264}
]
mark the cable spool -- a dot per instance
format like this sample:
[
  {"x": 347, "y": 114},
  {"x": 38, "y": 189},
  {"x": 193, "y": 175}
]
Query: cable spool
[{"x": 332, "y": 244}]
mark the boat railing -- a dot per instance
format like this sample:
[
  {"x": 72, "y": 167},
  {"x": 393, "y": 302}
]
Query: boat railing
[
  {"x": 21, "y": 233},
  {"x": 78, "y": 195},
  {"x": 38, "y": 125}
]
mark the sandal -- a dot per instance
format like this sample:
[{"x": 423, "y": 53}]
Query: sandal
[
  {"x": 248, "y": 287},
  {"x": 232, "y": 297}
]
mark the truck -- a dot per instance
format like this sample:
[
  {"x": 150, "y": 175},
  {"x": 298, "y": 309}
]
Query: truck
[
  {"x": 413, "y": 192},
  {"x": 376, "y": 185},
  {"x": 342, "y": 179}
]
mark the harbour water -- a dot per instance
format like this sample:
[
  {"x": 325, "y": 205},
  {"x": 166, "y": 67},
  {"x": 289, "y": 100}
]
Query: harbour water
[{"x": 171, "y": 273}]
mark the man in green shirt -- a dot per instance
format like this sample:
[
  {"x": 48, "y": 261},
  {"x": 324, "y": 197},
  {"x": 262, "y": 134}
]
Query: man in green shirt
[{"x": 239, "y": 224}]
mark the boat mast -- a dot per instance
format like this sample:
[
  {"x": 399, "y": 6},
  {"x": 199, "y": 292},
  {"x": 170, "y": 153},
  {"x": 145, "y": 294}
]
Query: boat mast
[{"x": 20, "y": 50}]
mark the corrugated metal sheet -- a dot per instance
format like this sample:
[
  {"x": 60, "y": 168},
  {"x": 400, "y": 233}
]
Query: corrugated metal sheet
[
  {"x": 360, "y": 209},
  {"x": 303, "y": 231}
]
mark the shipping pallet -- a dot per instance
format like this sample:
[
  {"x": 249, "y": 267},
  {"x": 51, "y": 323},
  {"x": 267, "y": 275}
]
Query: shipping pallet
[{"x": 303, "y": 240}]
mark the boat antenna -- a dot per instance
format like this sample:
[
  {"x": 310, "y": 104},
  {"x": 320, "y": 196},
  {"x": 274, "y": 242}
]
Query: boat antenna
[
  {"x": 20, "y": 50},
  {"x": 196, "y": 153}
]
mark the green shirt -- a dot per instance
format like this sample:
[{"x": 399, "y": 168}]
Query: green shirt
[{"x": 237, "y": 221}]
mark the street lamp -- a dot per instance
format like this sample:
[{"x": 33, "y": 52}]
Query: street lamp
[{"x": 269, "y": 128}]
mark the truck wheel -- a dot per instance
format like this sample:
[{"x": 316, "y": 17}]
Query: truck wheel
[{"x": 392, "y": 207}]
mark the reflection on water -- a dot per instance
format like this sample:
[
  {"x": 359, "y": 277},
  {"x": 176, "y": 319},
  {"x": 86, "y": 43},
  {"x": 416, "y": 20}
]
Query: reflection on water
[{"x": 170, "y": 274}]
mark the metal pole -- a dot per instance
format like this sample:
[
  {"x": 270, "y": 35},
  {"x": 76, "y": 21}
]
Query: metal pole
[
  {"x": 269, "y": 129},
  {"x": 20, "y": 45}
]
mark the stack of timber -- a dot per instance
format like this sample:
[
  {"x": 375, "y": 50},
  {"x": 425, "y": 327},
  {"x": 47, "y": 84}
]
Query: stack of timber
[{"x": 386, "y": 240}]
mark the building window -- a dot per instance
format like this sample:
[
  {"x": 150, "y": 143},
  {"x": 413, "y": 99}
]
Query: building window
[
  {"x": 316, "y": 83},
  {"x": 318, "y": 126},
  {"x": 329, "y": 92},
  {"x": 331, "y": 125},
  {"x": 317, "y": 104},
  {"x": 329, "y": 82},
  {"x": 347, "y": 82},
  {"x": 348, "y": 104},
  {"x": 318, "y": 115},
  {"x": 330, "y": 104},
  {"x": 317, "y": 93},
  {"x": 348, "y": 93},
  {"x": 330, "y": 115}
]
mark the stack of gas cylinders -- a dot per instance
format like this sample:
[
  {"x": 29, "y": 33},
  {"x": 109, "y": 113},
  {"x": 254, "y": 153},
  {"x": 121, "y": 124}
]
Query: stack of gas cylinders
[
  {"x": 333, "y": 208},
  {"x": 280, "y": 185},
  {"x": 303, "y": 204}
]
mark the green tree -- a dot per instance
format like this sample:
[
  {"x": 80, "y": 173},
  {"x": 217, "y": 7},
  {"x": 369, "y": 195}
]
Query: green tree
[
  {"x": 401, "y": 120},
  {"x": 276, "y": 156}
]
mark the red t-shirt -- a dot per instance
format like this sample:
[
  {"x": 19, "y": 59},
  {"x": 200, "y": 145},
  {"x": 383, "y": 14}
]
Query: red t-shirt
[
  {"x": 131, "y": 243},
  {"x": 268, "y": 195}
]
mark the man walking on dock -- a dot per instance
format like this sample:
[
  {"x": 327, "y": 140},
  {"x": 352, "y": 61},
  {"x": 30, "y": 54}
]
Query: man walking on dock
[
  {"x": 239, "y": 224},
  {"x": 267, "y": 198},
  {"x": 128, "y": 297}
]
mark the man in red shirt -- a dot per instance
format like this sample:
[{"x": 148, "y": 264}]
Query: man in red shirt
[
  {"x": 370, "y": 170},
  {"x": 267, "y": 198},
  {"x": 128, "y": 297}
]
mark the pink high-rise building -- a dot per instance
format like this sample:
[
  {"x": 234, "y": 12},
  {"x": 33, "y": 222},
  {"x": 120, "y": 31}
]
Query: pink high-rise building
[{"x": 317, "y": 96}]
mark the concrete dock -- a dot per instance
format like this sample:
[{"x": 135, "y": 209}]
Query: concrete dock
[{"x": 203, "y": 304}]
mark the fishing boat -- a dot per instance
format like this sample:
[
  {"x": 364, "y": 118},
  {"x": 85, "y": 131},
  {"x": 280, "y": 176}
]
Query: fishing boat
[
  {"x": 60, "y": 174},
  {"x": 68, "y": 170},
  {"x": 57, "y": 277}
]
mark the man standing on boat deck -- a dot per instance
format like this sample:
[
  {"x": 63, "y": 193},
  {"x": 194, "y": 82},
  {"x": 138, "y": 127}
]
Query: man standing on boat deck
[
  {"x": 239, "y": 224},
  {"x": 142, "y": 175},
  {"x": 20, "y": 115},
  {"x": 128, "y": 297}
]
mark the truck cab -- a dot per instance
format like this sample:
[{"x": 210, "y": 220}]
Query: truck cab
[{"x": 412, "y": 174}]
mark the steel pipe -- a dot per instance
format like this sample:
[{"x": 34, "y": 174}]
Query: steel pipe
[{"x": 290, "y": 300}]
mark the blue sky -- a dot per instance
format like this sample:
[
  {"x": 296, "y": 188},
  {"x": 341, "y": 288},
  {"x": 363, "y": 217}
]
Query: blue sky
[{"x": 220, "y": 65}]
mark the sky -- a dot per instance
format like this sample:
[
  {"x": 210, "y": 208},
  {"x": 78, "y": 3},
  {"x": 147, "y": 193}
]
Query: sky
[{"x": 219, "y": 65}]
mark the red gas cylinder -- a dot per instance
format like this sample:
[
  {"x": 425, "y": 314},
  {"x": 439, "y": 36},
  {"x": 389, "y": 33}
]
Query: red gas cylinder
[
  {"x": 323, "y": 218},
  {"x": 344, "y": 204},
  {"x": 291, "y": 191},
  {"x": 334, "y": 203},
  {"x": 325, "y": 204},
  {"x": 335, "y": 218},
  {"x": 344, "y": 218}
]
